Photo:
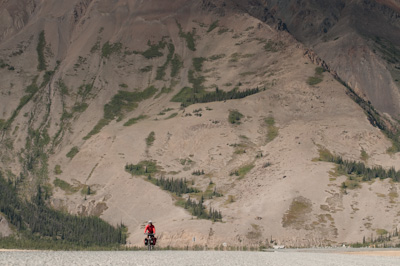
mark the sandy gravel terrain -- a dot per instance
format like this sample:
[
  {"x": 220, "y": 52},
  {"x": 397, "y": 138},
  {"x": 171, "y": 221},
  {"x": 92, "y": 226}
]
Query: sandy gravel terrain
[{"x": 192, "y": 258}]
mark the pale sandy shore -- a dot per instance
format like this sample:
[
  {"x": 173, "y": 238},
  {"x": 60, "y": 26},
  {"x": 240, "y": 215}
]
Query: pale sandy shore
[
  {"x": 391, "y": 253},
  {"x": 194, "y": 258}
]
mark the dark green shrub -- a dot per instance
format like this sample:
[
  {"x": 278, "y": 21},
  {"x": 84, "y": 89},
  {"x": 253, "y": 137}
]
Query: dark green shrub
[
  {"x": 74, "y": 151},
  {"x": 234, "y": 117}
]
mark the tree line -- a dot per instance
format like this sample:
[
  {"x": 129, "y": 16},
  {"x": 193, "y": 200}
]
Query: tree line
[
  {"x": 349, "y": 167},
  {"x": 35, "y": 219},
  {"x": 177, "y": 186},
  {"x": 219, "y": 95},
  {"x": 198, "y": 209}
]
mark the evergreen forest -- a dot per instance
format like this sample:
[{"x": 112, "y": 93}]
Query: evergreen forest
[{"x": 40, "y": 226}]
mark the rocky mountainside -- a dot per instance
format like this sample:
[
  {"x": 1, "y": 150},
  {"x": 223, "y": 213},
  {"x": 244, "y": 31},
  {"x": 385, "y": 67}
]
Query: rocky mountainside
[{"x": 277, "y": 116}]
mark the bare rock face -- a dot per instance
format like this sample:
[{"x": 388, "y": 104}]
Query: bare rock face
[
  {"x": 357, "y": 39},
  {"x": 14, "y": 16}
]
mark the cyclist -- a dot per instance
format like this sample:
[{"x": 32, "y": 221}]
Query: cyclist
[{"x": 150, "y": 229}]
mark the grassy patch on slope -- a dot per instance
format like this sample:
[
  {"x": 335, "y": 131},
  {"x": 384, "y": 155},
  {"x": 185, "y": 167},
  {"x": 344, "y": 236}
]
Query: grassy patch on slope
[{"x": 121, "y": 103}]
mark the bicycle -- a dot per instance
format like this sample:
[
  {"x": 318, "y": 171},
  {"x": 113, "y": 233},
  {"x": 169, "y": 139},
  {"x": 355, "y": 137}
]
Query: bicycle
[{"x": 150, "y": 241}]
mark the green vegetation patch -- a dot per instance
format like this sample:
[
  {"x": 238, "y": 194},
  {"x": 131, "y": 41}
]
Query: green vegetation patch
[
  {"x": 317, "y": 78},
  {"x": 121, "y": 103},
  {"x": 234, "y": 117},
  {"x": 154, "y": 50},
  {"x": 357, "y": 171},
  {"x": 2, "y": 123},
  {"x": 273, "y": 131},
  {"x": 110, "y": 48},
  {"x": 271, "y": 46},
  {"x": 176, "y": 65},
  {"x": 125, "y": 101},
  {"x": 80, "y": 107},
  {"x": 134, "y": 120},
  {"x": 146, "y": 69},
  {"x": 74, "y": 151},
  {"x": 150, "y": 139},
  {"x": 298, "y": 213},
  {"x": 161, "y": 70},
  {"x": 142, "y": 168},
  {"x": 41, "y": 227},
  {"x": 199, "y": 210},
  {"x": 65, "y": 186},
  {"x": 198, "y": 63},
  {"x": 364, "y": 155},
  {"x": 57, "y": 169},
  {"x": 212, "y": 26},
  {"x": 188, "y": 36},
  {"x": 244, "y": 170},
  {"x": 171, "y": 116},
  {"x": 40, "y": 52},
  {"x": 216, "y": 57},
  {"x": 31, "y": 90},
  {"x": 97, "y": 128},
  {"x": 188, "y": 96},
  {"x": 178, "y": 187},
  {"x": 84, "y": 90}
]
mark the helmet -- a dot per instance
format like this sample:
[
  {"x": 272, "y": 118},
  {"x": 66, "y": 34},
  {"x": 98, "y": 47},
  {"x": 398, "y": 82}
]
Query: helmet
[{"x": 150, "y": 222}]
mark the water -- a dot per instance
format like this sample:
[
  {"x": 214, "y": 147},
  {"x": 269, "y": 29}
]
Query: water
[{"x": 291, "y": 257}]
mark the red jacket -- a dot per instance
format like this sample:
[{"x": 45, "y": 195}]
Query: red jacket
[{"x": 150, "y": 228}]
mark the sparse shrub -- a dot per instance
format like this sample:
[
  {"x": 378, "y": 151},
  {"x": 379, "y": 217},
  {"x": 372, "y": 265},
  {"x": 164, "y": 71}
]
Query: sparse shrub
[
  {"x": 267, "y": 164},
  {"x": 234, "y": 117},
  {"x": 134, "y": 120},
  {"x": 188, "y": 36},
  {"x": 97, "y": 128},
  {"x": 314, "y": 80},
  {"x": 198, "y": 172},
  {"x": 110, "y": 48},
  {"x": 2, "y": 123},
  {"x": 216, "y": 57},
  {"x": 150, "y": 139},
  {"x": 161, "y": 70},
  {"x": 272, "y": 129},
  {"x": 364, "y": 155},
  {"x": 271, "y": 46},
  {"x": 74, "y": 151},
  {"x": 244, "y": 170},
  {"x": 153, "y": 50},
  {"x": 80, "y": 107},
  {"x": 84, "y": 90},
  {"x": 317, "y": 78},
  {"x": 176, "y": 65},
  {"x": 357, "y": 171},
  {"x": 125, "y": 101},
  {"x": 57, "y": 169},
  {"x": 198, "y": 63},
  {"x": 40, "y": 51},
  {"x": 213, "y": 26},
  {"x": 142, "y": 168},
  {"x": 65, "y": 186},
  {"x": 146, "y": 69},
  {"x": 222, "y": 31},
  {"x": 171, "y": 116}
]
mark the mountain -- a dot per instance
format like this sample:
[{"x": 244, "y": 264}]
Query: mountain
[{"x": 278, "y": 114}]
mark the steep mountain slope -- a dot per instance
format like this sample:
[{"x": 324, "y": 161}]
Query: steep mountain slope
[
  {"x": 90, "y": 87},
  {"x": 359, "y": 40}
]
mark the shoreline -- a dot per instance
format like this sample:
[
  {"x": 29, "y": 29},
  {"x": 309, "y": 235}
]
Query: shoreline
[{"x": 369, "y": 252}]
